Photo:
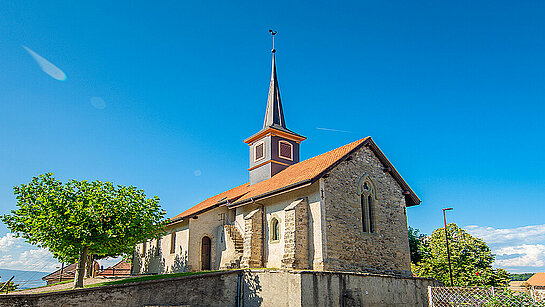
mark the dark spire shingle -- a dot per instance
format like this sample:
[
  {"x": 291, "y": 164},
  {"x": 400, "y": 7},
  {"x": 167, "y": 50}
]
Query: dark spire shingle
[{"x": 274, "y": 115}]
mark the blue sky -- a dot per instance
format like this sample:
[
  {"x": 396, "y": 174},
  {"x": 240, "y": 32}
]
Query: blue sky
[{"x": 161, "y": 95}]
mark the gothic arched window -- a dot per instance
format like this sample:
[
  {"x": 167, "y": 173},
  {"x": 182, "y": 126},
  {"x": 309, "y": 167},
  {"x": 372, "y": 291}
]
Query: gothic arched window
[
  {"x": 275, "y": 229},
  {"x": 367, "y": 201}
]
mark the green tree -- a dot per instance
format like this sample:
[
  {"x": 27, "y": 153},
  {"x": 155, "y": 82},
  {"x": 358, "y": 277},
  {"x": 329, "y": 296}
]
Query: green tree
[
  {"x": 79, "y": 218},
  {"x": 521, "y": 277},
  {"x": 471, "y": 260},
  {"x": 9, "y": 287},
  {"x": 418, "y": 245}
]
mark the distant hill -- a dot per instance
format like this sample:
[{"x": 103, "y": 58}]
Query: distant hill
[
  {"x": 26, "y": 279},
  {"x": 521, "y": 277}
]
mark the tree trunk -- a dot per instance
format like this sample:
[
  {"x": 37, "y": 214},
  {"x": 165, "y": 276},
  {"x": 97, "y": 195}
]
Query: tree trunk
[
  {"x": 89, "y": 266},
  {"x": 80, "y": 269}
]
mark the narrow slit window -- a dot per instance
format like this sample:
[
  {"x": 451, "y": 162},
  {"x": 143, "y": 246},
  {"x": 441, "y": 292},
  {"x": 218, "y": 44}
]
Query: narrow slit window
[
  {"x": 365, "y": 213},
  {"x": 370, "y": 210},
  {"x": 275, "y": 230},
  {"x": 367, "y": 200},
  {"x": 173, "y": 242}
]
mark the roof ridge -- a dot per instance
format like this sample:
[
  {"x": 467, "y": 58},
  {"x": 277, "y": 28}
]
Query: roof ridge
[
  {"x": 338, "y": 148},
  {"x": 246, "y": 191}
]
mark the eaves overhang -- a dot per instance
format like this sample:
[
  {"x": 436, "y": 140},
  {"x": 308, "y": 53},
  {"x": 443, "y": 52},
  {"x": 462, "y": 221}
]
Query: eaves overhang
[{"x": 285, "y": 133}]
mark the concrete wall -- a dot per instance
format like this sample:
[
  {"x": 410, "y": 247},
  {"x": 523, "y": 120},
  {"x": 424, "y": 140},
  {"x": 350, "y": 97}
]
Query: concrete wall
[
  {"x": 349, "y": 248},
  {"x": 257, "y": 288},
  {"x": 358, "y": 289}
]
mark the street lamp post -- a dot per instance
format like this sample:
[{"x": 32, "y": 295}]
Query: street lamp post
[{"x": 448, "y": 251}]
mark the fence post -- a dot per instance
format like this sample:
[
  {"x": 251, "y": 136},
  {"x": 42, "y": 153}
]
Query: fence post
[
  {"x": 493, "y": 292},
  {"x": 430, "y": 299}
]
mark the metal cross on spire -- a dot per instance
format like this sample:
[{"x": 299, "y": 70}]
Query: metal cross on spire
[{"x": 273, "y": 33}]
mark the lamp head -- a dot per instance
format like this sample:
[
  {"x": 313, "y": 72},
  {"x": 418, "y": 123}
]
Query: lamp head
[{"x": 447, "y": 209}]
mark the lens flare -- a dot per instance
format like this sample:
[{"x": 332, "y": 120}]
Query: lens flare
[
  {"x": 47, "y": 67},
  {"x": 98, "y": 103}
]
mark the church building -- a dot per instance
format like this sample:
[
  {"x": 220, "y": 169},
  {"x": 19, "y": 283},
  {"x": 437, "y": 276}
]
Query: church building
[{"x": 344, "y": 210}]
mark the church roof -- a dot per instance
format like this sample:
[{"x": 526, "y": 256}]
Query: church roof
[{"x": 295, "y": 176}]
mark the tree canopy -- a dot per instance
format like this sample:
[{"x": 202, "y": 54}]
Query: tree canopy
[
  {"x": 521, "y": 276},
  {"x": 417, "y": 245},
  {"x": 80, "y": 217},
  {"x": 471, "y": 259}
]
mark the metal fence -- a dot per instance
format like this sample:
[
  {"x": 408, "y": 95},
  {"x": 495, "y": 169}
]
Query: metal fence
[{"x": 493, "y": 297}]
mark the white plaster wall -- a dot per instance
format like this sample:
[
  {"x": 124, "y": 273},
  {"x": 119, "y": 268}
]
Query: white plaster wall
[
  {"x": 177, "y": 262},
  {"x": 315, "y": 232},
  {"x": 225, "y": 248},
  {"x": 274, "y": 250},
  {"x": 205, "y": 225}
]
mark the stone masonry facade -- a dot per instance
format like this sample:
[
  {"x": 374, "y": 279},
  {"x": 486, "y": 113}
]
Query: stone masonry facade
[
  {"x": 296, "y": 255},
  {"x": 253, "y": 239},
  {"x": 348, "y": 247}
]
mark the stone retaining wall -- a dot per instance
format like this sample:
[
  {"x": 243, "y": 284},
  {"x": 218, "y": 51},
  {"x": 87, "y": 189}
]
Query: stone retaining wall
[{"x": 244, "y": 288}]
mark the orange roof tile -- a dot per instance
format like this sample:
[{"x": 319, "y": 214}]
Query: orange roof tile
[
  {"x": 68, "y": 272},
  {"x": 300, "y": 173},
  {"x": 120, "y": 268},
  {"x": 538, "y": 279}
]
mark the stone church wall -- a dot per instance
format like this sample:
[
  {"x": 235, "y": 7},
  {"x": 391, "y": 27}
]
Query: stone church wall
[
  {"x": 348, "y": 247},
  {"x": 310, "y": 237}
]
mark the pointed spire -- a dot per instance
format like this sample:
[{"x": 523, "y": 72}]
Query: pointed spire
[{"x": 274, "y": 116}]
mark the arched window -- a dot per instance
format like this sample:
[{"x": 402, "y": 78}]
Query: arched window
[
  {"x": 367, "y": 200},
  {"x": 173, "y": 242},
  {"x": 275, "y": 229},
  {"x": 206, "y": 253}
]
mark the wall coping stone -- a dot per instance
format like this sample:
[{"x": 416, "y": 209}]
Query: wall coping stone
[
  {"x": 148, "y": 282},
  {"x": 130, "y": 284}
]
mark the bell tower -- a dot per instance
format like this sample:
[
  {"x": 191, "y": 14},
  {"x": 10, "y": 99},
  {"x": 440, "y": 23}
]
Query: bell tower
[{"x": 274, "y": 147}]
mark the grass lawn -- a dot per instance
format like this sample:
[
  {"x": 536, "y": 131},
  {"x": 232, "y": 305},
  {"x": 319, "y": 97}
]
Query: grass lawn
[
  {"x": 144, "y": 278},
  {"x": 47, "y": 288}
]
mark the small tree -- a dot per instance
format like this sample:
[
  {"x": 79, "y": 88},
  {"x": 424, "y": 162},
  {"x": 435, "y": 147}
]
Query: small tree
[
  {"x": 11, "y": 286},
  {"x": 79, "y": 218},
  {"x": 418, "y": 245},
  {"x": 471, "y": 260}
]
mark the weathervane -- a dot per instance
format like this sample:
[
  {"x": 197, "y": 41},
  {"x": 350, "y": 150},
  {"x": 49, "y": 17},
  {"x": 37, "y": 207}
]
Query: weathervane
[{"x": 273, "y": 33}]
